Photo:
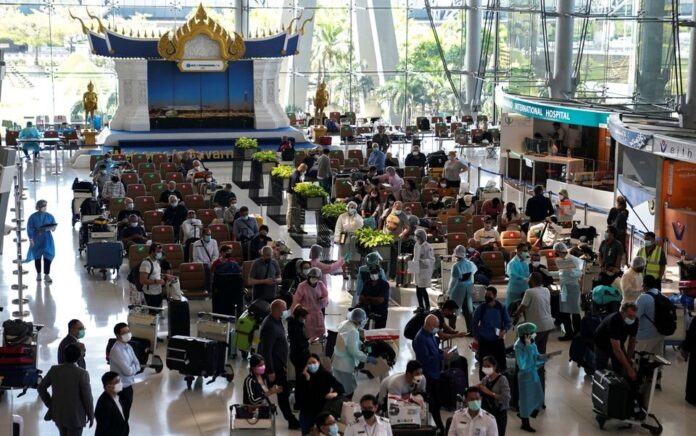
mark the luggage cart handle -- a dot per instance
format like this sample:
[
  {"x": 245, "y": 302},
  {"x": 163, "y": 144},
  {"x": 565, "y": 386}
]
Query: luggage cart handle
[
  {"x": 143, "y": 306},
  {"x": 218, "y": 316}
]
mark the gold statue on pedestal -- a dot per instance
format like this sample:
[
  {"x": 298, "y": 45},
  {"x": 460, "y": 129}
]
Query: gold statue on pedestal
[
  {"x": 321, "y": 101},
  {"x": 89, "y": 103}
]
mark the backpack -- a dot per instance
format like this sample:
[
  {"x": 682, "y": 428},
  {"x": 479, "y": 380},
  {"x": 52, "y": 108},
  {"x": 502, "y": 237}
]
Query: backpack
[
  {"x": 90, "y": 206},
  {"x": 17, "y": 332},
  {"x": 437, "y": 159},
  {"x": 665, "y": 315},
  {"x": 134, "y": 274},
  {"x": 414, "y": 324}
]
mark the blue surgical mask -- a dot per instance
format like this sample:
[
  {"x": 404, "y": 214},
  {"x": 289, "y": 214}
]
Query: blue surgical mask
[
  {"x": 333, "y": 430},
  {"x": 313, "y": 368},
  {"x": 629, "y": 321},
  {"x": 159, "y": 256},
  {"x": 398, "y": 211},
  {"x": 285, "y": 315},
  {"x": 647, "y": 243},
  {"x": 352, "y": 211},
  {"x": 207, "y": 238},
  {"x": 130, "y": 206},
  {"x": 474, "y": 405},
  {"x": 435, "y": 330},
  {"x": 245, "y": 217}
]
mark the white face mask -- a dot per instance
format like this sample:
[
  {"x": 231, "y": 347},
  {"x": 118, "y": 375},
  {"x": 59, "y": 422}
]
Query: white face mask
[
  {"x": 487, "y": 370},
  {"x": 126, "y": 337},
  {"x": 417, "y": 379},
  {"x": 134, "y": 225},
  {"x": 374, "y": 276},
  {"x": 118, "y": 387}
]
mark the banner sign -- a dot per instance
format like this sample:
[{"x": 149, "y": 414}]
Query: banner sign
[
  {"x": 627, "y": 136},
  {"x": 674, "y": 148},
  {"x": 202, "y": 66},
  {"x": 561, "y": 114}
]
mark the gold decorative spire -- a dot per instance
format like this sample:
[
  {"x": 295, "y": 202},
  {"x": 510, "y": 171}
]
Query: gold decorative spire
[
  {"x": 297, "y": 18},
  {"x": 305, "y": 22},
  {"x": 82, "y": 23},
  {"x": 102, "y": 29}
]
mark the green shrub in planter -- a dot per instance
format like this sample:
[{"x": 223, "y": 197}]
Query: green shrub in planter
[
  {"x": 369, "y": 238},
  {"x": 283, "y": 171},
  {"x": 265, "y": 156},
  {"x": 333, "y": 210},
  {"x": 244, "y": 143},
  {"x": 310, "y": 190}
]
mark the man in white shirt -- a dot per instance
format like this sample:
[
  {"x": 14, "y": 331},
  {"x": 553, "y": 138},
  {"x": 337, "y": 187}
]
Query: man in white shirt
[
  {"x": 409, "y": 385},
  {"x": 122, "y": 361},
  {"x": 487, "y": 238},
  {"x": 369, "y": 423},
  {"x": 205, "y": 250},
  {"x": 190, "y": 231},
  {"x": 473, "y": 420},
  {"x": 551, "y": 234}
]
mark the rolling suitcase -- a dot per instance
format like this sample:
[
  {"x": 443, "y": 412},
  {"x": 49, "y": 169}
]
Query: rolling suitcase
[
  {"x": 403, "y": 277},
  {"x": 104, "y": 256},
  {"x": 244, "y": 331},
  {"x": 216, "y": 327},
  {"x": 16, "y": 355},
  {"x": 453, "y": 382},
  {"x": 179, "y": 318},
  {"x": 19, "y": 376},
  {"x": 611, "y": 395},
  {"x": 194, "y": 357}
]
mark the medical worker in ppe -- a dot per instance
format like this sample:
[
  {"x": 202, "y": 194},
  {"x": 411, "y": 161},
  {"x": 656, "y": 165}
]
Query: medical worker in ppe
[
  {"x": 41, "y": 246},
  {"x": 517, "y": 271},
  {"x": 461, "y": 284},
  {"x": 348, "y": 351},
  {"x": 528, "y": 362}
]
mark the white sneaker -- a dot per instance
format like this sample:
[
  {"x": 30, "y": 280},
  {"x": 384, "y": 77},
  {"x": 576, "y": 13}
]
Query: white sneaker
[
  {"x": 48, "y": 279},
  {"x": 38, "y": 277}
]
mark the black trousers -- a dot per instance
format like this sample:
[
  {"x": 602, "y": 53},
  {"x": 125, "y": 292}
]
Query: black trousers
[
  {"x": 422, "y": 296},
  {"x": 501, "y": 421},
  {"x": 125, "y": 397},
  {"x": 571, "y": 323},
  {"x": 432, "y": 388},
  {"x": 153, "y": 300},
  {"x": 281, "y": 379},
  {"x": 495, "y": 348},
  {"x": 46, "y": 265}
]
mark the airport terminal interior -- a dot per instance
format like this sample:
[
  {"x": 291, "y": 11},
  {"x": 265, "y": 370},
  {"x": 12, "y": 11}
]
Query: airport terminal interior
[{"x": 414, "y": 152}]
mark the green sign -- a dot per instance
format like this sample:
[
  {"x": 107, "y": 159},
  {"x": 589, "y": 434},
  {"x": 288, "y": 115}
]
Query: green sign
[{"x": 561, "y": 114}]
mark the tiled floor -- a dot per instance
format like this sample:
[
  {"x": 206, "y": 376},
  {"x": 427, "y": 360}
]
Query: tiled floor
[{"x": 163, "y": 406}]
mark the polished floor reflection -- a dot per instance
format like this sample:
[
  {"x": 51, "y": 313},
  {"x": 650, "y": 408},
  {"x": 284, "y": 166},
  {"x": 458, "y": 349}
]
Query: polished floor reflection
[{"x": 162, "y": 404}]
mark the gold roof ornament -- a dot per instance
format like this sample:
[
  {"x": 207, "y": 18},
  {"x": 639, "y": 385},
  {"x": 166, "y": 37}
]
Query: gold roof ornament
[
  {"x": 102, "y": 29},
  {"x": 82, "y": 23},
  {"x": 304, "y": 23},
  {"x": 297, "y": 18},
  {"x": 171, "y": 47}
]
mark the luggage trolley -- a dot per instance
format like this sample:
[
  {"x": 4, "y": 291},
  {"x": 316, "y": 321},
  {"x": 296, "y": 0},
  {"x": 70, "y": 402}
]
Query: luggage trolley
[
  {"x": 606, "y": 383},
  {"x": 218, "y": 327},
  {"x": 144, "y": 324},
  {"x": 245, "y": 419},
  {"x": 18, "y": 369}
]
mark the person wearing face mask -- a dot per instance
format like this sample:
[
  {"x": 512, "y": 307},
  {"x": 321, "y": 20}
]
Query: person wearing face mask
[
  {"x": 122, "y": 361},
  {"x": 313, "y": 295},
  {"x": 100, "y": 177},
  {"x": 424, "y": 255},
  {"x": 292, "y": 217},
  {"x": 655, "y": 260},
  {"x": 265, "y": 276},
  {"x": 649, "y": 338},
  {"x": 325, "y": 269},
  {"x": 108, "y": 413},
  {"x": 372, "y": 260},
  {"x": 227, "y": 286},
  {"x": 69, "y": 404},
  {"x": 130, "y": 209},
  {"x": 495, "y": 393},
  {"x": 517, "y": 271},
  {"x": 611, "y": 252},
  {"x": 529, "y": 361},
  {"x": 374, "y": 298},
  {"x": 325, "y": 425},
  {"x": 245, "y": 227},
  {"x": 377, "y": 159},
  {"x": 40, "y": 227},
  {"x": 314, "y": 389},
  {"x": 490, "y": 324},
  {"x": 171, "y": 190},
  {"x": 76, "y": 331},
  {"x": 536, "y": 308},
  {"x": 492, "y": 207},
  {"x": 205, "y": 250},
  {"x": 466, "y": 205},
  {"x": 435, "y": 206},
  {"x": 193, "y": 173},
  {"x": 256, "y": 391},
  {"x": 273, "y": 346},
  {"x": 453, "y": 169},
  {"x": 298, "y": 340},
  {"x": 487, "y": 238},
  {"x": 174, "y": 214},
  {"x": 258, "y": 242},
  {"x": 461, "y": 284},
  {"x": 416, "y": 159},
  {"x": 618, "y": 219},
  {"x": 348, "y": 350},
  {"x": 410, "y": 192},
  {"x": 409, "y": 386},
  {"x": 473, "y": 420},
  {"x": 151, "y": 276},
  {"x": 394, "y": 180},
  {"x": 346, "y": 224},
  {"x": 133, "y": 234},
  {"x": 369, "y": 423},
  {"x": 570, "y": 291},
  {"x": 610, "y": 339},
  {"x": 429, "y": 354},
  {"x": 371, "y": 208},
  {"x": 632, "y": 280},
  {"x": 565, "y": 207},
  {"x": 445, "y": 190},
  {"x": 113, "y": 189},
  {"x": 190, "y": 232}
]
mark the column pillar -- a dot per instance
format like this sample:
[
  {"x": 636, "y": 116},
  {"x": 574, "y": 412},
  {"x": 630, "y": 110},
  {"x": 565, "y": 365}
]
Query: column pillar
[
  {"x": 132, "y": 113},
  {"x": 241, "y": 17},
  {"x": 473, "y": 54},
  {"x": 650, "y": 82},
  {"x": 293, "y": 87},
  {"x": 562, "y": 85},
  {"x": 268, "y": 113},
  {"x": 687, "y": 111}
]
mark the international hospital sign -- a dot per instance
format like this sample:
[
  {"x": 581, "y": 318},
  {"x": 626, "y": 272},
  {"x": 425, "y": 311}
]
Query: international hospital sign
[{"x": 561, "y": 114}]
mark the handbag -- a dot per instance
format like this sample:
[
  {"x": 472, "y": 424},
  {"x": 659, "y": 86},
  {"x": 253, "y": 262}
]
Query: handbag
[
  {"x": 173, "y": 288},
  {"x": 244, "y": 416}
]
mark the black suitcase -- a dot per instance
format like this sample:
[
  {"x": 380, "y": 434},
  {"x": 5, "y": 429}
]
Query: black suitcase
[
  {"x": 511, "y": 376},
  {"x": 260, "y": 309},
  {"x": 104, "y": 255},
  {"x": 179, "y": 318},
  {"x": 426, "y": 430},
  {"x": 453, "y": 382},
  {"x": 82, "y": 185},
  {"x": 141, "y": 348},
  {"x": 196, "y": 356},
  {"x": 611, "y": 395}
]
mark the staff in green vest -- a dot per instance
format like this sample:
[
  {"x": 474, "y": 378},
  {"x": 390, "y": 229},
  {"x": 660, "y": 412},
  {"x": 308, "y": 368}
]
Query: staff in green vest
[{"x": 654, "y": 257}]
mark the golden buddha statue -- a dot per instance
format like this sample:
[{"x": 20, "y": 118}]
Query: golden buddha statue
[
  {"x": 89, "y": 102},
  {"x": 321, "y": 101}
]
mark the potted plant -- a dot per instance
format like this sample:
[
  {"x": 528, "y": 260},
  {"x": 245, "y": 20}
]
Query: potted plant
[
  {"x": 312, "y": 196},
  {"x": 368, "y": 240},
  {"x": 247, "y": 146},
  {"x": 281, "y": 174},
  {"x": 330, "y": 212},
  {"x": 268, "y": 159}
]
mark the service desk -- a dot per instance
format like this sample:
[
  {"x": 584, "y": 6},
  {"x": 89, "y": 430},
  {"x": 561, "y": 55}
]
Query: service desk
[{"x": 537, "y": 162}]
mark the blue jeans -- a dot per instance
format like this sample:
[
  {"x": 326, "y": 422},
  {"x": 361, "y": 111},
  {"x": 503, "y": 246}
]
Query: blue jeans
[{"x": 306, "y": 422}]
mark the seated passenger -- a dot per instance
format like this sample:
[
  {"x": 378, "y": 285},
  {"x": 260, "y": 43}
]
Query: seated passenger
[{"x": 487, "y": 238}]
